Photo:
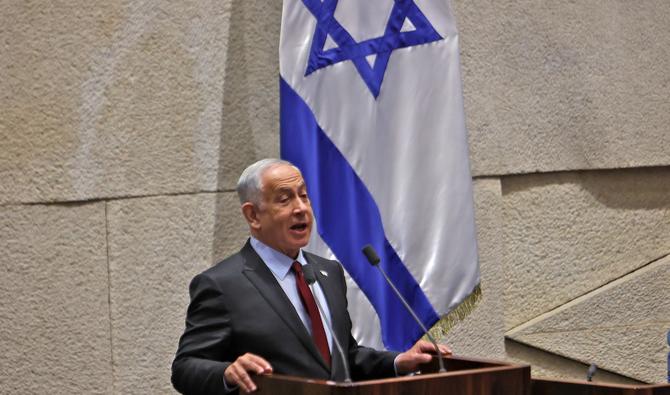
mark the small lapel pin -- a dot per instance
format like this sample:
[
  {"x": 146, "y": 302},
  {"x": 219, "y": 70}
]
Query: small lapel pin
[{"x": 324, "y": 272}]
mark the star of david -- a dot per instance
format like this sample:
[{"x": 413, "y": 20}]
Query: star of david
[{"x": 347, "y": 49}]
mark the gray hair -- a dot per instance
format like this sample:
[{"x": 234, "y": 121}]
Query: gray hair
[{"x": 249, "y": 185}]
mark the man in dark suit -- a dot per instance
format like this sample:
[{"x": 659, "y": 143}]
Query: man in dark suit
[{"x": 253, "y": 313}]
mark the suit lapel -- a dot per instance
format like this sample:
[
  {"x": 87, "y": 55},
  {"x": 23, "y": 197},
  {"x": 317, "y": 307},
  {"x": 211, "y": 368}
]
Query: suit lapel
[
  {"x": 265, "y": 282},
  {"x": 331, "y": 290}
]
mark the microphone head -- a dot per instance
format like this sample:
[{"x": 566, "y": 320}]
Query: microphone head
[
  {"x": 371, "y": 255},
  {"x": 308, "y": 272},
  {"x": 592, "y": 371}
]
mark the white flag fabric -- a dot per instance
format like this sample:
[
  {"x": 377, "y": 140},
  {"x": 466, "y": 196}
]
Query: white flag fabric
[{"x": 372, "y": 114}]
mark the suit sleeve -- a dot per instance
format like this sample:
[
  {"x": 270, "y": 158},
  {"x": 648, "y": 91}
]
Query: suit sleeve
[
  {"x": 201, "y": 356},
  {"x": 365, "y": 362}
]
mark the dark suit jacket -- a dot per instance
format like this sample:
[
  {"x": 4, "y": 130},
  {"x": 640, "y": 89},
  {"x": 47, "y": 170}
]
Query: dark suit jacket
[{"x": 237, "y": 306}]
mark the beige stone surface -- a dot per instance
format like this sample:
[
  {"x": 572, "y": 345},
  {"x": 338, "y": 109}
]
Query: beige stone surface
[
  {"x": 567, "y": 234},
  {"x": 621, "y": 326},
  {"x": 110, "y": 98},
  {"x": 156, "y": 245},
  {"x": 544, "y": 364},
  {"x": 482, "y": 332},
  {"x": 250, "y": 129},
  {"x": 54, "y": 314},
  {"x": 565, "y": 84}
]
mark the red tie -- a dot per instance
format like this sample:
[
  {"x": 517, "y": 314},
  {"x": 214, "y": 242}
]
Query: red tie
[{"x": 307, "y": 298}]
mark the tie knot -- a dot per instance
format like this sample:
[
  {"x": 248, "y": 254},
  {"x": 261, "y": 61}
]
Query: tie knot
[{"x": 297, "y": 267}]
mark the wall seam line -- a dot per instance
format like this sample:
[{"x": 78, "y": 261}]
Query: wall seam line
[
  {"x": 72, "y": 202},
  {"x": 577, "y": 299},
  {"x": 109, "y": 301}
]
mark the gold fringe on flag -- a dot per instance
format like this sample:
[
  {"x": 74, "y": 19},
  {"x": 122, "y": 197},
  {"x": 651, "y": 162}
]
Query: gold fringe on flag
[{"x": 448, "y": 321}]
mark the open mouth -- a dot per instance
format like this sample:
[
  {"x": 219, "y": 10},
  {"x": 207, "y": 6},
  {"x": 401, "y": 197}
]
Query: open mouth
[{"x": 299, "y": 227}]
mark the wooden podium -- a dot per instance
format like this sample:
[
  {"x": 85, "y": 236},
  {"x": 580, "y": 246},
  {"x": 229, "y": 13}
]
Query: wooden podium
[
  {"x": 465, "y": 376},
  {"x": 572, "y": 387}
]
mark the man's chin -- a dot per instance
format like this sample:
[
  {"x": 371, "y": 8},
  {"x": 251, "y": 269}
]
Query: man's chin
[
  {"x": 300, "y": 237},
  {"x": 301, "y": 242}
]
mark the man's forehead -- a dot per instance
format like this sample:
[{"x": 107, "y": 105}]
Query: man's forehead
[{"x": 282, "y": 177}]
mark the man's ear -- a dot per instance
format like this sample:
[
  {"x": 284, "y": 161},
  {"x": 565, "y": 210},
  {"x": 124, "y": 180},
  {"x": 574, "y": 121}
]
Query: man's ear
[{"x": 250, "y": 213}]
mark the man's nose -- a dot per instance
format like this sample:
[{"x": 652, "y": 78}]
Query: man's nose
[{"x": 299, "y": 205}]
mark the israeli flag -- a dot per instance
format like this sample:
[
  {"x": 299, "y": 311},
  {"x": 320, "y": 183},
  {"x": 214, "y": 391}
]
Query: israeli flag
[{"x": 372, "y": 114}]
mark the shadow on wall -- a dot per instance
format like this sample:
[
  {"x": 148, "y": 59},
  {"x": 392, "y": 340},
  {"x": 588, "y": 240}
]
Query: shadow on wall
[
  {"x": 644, "y": 188},
  {"x": 250, "y": 116},
  {"x": 546, "y": 364}
]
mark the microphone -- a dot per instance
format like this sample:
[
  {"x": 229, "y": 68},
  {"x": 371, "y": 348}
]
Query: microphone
[
  {"x": 310, "y": 278},
  {"x": 373, "y": 258},
  {"x": 592, "y": 371}
]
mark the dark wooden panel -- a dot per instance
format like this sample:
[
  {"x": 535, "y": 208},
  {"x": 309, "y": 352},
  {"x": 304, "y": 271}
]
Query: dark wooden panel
[{"x": 475, "y": 377}]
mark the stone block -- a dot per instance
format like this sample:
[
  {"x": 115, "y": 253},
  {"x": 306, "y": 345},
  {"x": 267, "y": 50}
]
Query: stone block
[
  {"x": 567, "y": 234},
  {"x": 482, "y": 332},
  {"x": 565, "y": 85},
  {"x": 156, "y": 245},
  {"x": 54, "y": 315},
  {"x": 621, "y": 326},
  {"x": 110, "y": 99}
]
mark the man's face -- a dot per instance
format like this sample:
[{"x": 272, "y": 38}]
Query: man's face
[{"x": 283, "y": 220}]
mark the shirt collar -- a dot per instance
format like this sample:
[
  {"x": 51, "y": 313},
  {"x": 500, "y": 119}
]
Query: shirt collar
[{"x": 276, "y": 261}]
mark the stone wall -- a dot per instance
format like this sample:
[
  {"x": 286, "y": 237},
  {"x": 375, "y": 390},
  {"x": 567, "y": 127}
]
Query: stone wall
[
  {"x": 124, "y": 125},
  {"x": 568, "y": 107}
]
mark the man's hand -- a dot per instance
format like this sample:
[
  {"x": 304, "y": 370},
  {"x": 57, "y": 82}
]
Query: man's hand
[
  {"x": 237, "y": 373},
  {"x": 410, "y": 360}
]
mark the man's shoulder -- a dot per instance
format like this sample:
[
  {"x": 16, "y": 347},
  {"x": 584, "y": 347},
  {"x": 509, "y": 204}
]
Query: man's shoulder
[{"x": 233, "y": 264}]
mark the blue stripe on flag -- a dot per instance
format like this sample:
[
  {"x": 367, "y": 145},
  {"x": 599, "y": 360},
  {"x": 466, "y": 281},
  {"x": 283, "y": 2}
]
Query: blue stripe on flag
[{"x": 348, "y": 219}]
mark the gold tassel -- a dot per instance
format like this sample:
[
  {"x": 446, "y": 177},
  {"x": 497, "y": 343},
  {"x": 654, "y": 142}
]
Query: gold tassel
[{"x": 449, "y": 320}]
